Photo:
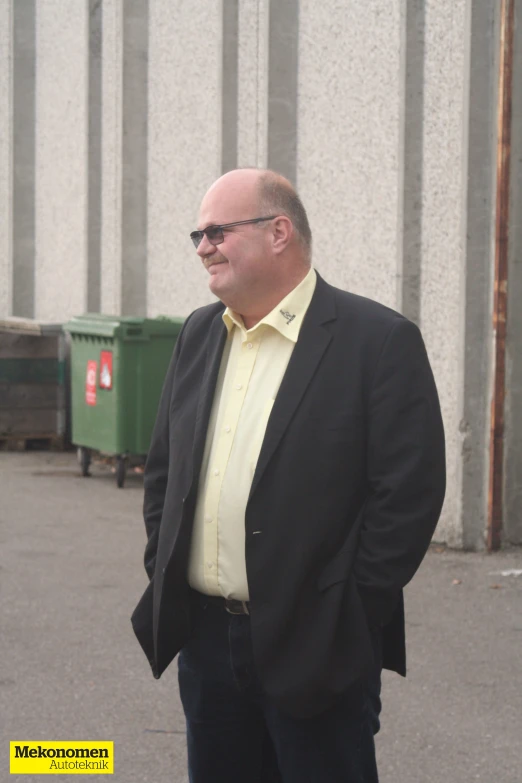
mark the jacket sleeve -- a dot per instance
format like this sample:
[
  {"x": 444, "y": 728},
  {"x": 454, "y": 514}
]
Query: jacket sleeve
[
  {"x": 157, "y": 464},
  {"x": 406, "y": 472}
]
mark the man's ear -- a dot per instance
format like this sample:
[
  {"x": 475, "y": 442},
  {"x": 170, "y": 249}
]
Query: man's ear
[{"x": 282, "y": 233}]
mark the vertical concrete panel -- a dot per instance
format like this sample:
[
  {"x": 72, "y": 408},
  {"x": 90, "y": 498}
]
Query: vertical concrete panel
[
  {"x": 253, "y": 83},
  {"x": 477, "y": 229},
  {"x": 5, "y": 158},
  {"x": 185, "y": 60},
  {"x": 23, "y": 141},
  {"x": 61, "y": 159},
  {"x": 349, "y": 140},
  {"x": 95, "y": 152},
  {"x": 229, "y": 82},
  {"x": 443, "y": 227},
  {"x": 111, "y": 185},
  {"x": 413, "y": 133},
  {"x": 283, "y": 27},
  {"x": 134, "y": 157},
  {"x": 513, "y": 421}
]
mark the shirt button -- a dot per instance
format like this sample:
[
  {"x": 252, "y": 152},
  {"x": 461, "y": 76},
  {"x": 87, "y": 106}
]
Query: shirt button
[
  {"x": 239, "y": 386},
  {"x": 210, "y": 566},
  {"x": 216, "y": 472},
  {"x": 208, "y": 520},
  {"x": 250, "y": 345},
  {"x": 227, "y": 428}
]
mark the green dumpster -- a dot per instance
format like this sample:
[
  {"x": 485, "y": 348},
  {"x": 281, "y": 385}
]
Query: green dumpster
[{"x": 118, "y": 365}]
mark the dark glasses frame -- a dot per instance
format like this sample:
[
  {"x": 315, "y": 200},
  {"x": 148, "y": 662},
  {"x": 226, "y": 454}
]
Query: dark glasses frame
[{"x": 214, "y": 234}]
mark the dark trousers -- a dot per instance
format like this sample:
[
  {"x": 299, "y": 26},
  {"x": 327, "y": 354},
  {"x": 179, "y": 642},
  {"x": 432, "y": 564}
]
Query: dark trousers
[{"x": 234, "y": 733}]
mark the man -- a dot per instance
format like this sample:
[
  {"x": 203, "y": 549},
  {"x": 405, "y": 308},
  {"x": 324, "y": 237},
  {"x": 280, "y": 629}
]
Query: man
[{"x": 295, "y": 478}]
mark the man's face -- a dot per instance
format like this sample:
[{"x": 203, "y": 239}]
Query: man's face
[{"x": 239, "y": 267}]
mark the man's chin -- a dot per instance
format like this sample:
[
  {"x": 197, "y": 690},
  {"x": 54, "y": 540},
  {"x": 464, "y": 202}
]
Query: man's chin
[{"x": 217, "y": 287}]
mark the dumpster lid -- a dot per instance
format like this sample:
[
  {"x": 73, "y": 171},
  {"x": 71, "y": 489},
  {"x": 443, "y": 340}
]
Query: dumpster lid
[
  {"x": 29, "y": 326},
  {"x": 123, "y": 326}
]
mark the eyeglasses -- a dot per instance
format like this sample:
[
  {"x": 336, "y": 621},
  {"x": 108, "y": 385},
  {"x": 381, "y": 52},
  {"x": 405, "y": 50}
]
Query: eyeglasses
[{"x": 214, "y": 234}]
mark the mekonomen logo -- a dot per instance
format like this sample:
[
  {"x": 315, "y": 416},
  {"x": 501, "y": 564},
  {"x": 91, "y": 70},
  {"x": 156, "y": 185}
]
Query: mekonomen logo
[{"x": 55, "y": 758}]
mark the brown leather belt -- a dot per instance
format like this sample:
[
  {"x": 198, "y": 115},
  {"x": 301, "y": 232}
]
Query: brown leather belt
[{"x": 231, "y": 605}]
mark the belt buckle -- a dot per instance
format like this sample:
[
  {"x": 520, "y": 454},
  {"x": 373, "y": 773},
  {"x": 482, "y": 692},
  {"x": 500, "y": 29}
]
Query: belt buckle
[{"x": 229, "y": 602}]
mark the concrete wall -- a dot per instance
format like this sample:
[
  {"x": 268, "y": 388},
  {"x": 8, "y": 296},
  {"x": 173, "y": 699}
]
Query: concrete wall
[
  {"x": 184, "y": 145},
  {"x": 23, "y": 126},
  {"x": 476, "y": 283},
  {"x": 513, "y": 422},
  {"x": 350, "y": 94},
  {"x": 94, "y": 154},
  {"x": 61, "y": 159},
  {"x": 5, "y": 157},
  {"x": 252, "y": 66},
  {"x": 382, "y": 112},
  {"x": 111, "y": 156},
  {"x": 443, "y": 217}
]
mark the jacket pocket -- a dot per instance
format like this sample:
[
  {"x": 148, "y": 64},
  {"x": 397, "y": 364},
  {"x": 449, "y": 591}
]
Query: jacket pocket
[{"x": 337, "y": 570}]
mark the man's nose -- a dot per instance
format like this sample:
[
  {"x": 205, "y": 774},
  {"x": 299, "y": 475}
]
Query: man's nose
[{"x": 205, "y": 248}]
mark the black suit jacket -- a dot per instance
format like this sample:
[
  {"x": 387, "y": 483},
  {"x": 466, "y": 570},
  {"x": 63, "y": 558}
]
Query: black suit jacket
[{"x": 347, "y": 492}]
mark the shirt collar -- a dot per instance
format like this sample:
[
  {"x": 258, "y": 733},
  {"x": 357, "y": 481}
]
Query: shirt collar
[{"x": 286, "y": 317}]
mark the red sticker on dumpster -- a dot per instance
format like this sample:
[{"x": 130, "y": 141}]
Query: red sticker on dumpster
[
  {"x": 90, "y": 382},
  {"x": 106, "y": 370}
]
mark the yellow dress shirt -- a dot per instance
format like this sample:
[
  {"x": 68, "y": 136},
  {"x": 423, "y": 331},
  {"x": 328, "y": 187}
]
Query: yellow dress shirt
[{"x": 252, "y": 368}]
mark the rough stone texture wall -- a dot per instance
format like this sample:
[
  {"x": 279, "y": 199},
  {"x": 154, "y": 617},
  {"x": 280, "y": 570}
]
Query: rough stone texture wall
[
  {"x": 23, "y": 133},
  {"x": 5, "y": 158},
  {"x": 384, "y": 114},
  {"x": 112, "y": 64},
  {"x": 348, "y": 140},
  {"x": 253, "y": 83},
  {"x": 61, "y": 159},
  {"x": 476, "y": 303},
  {"x": 443, "y": 204},
  {"x": 94, "y": 155},
  {"x": 184, "y": 146}
]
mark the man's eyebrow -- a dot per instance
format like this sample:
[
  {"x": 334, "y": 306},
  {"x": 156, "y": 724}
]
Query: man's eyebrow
[{"x": 210, "y": 225}]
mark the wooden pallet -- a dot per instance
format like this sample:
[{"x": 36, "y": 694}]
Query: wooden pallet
[{"x": 31, "y": 442}]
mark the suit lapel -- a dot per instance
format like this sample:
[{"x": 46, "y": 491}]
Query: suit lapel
[{"x": 310, "y": 347}]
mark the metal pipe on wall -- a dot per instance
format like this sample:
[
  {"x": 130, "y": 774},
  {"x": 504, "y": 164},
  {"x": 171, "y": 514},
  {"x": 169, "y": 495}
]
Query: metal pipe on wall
[{"x": 496, "y": 453}]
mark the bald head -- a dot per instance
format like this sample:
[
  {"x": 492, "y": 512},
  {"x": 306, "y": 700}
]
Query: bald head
[
  {"x": 259, "y": 246},
  {"x": 266, "y": 193},
  {"x": 238, "y": 187},
  {"x": 277, "y": 195}
]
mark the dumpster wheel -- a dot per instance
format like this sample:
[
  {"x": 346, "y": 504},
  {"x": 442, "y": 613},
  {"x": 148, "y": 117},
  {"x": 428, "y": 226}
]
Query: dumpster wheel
[
  {"x": 121, "y": 469},
  {"x": 84, "y": 458}
]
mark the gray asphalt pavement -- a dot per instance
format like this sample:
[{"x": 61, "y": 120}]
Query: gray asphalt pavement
[{"x": 71, "y": 573}]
